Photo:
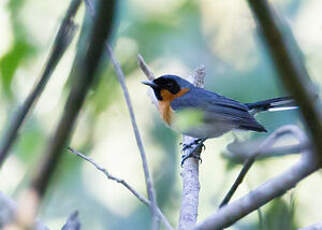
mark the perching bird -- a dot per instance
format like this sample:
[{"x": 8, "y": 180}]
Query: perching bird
[{"x": 204, "y": 114}]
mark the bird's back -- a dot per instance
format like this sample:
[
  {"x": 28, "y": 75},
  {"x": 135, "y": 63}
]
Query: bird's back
[{"x": 202, "y": 113}]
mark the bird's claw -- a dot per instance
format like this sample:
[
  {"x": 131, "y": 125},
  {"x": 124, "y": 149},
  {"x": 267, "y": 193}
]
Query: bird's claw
[
  {"x": 194, "y": 146},
  {"x": 195, "y": 142},
  {"x": 190, "y": 155}
]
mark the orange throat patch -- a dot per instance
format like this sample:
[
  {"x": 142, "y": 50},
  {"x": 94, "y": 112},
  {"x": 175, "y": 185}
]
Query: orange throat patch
[{"x": 164, "y": 105}]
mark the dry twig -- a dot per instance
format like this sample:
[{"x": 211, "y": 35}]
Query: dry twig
[
  {"x": 125, "y": 184},
  {"x": 238, "y": 152},
  {"x": 148, "y": 179},
  {"x": 269, "y": 141},
  {"x": 121, "y": 79}
]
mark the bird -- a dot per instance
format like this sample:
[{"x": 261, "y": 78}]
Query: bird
[{"x": 204, "y": 114}]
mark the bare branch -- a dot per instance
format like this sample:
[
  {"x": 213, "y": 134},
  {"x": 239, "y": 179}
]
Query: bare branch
[
  {"x": 145, "y": 68},
  {"x": 285, "y": 55},
  {"x": 238, "y": 152},
  {"x": 83, "y": 74},
  {"x": 273, "y": 188},
  {"x": 125, "y": 184},
  {"x": 148, "y": 179},
  {"x": 190, "y": 172},
  {"x": 287, "y": 58},
  {"x": 63, "y": 39},
  {"x": 121, "y": 79},
  {"x": 267, "y": 143}
]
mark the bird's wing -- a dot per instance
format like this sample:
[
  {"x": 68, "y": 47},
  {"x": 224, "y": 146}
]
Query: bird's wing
[{"x": 217, "y": 108}]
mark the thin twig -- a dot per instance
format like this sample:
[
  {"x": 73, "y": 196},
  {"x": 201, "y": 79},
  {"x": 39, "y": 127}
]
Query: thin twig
[
  {"x": 269, "y": 141},
  {"x": 121, "y": 79},
  {"x": 63, "y": 39},
  {"x": 145, "y": 68},
  {"x": 125, "y": 184},
  {"x": 190, "y": 172},
  {"x": 148, "y": 179}
]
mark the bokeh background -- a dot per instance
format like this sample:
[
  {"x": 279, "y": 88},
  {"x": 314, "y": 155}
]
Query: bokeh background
[{"x": 174, "y": 37}]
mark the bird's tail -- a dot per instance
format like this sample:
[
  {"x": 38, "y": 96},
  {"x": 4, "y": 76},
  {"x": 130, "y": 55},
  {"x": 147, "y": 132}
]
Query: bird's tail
[{"x": 275, "y": 104}]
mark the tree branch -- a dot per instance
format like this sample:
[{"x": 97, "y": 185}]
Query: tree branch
[
  {"x": 238, "y": 152},
  {"x": 121, "y": 79},
  {"x": 148, "y": 179},
  {"x": 125, "y": 184},
  {"x": 273, "y": 188},
  {"x": 286, "y": 56},
  {"x": 268, "y": 142},
  {"x": 82, "y": 75},
  {"x": 190, "y": 172},
  {"x": 63, "y": 39},
  {"x": 145, "y": 68}
]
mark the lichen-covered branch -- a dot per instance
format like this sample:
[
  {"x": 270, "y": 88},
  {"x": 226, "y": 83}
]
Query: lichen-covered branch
[{"x": 190, "y": 173}]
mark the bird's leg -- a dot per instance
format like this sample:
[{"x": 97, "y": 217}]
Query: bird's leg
[{"x": 194, "y": 146}]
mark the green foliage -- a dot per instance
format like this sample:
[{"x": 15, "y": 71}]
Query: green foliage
[{"x": 20, "y": 50}]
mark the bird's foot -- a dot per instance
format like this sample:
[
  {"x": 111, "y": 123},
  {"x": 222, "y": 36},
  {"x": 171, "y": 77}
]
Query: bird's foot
[
  {"x": 195, "y": 146},
  {"x": 195, "y": 142},
  {"x": 190, "y": 155}
]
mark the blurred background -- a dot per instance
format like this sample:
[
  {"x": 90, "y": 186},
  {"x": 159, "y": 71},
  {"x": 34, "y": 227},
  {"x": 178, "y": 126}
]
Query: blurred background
[{"x": 174, "y": 37}]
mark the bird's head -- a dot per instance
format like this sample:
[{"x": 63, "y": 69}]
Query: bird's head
[{"x": 169, "y": 87}]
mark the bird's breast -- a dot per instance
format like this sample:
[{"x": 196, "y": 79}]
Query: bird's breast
[
  {"x": 165, "y": 109},
  {"x": 166, "y": 112}
]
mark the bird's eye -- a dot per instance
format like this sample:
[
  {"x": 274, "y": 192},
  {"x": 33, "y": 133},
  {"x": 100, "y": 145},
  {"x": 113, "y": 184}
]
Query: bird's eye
[{"x": 169, "y": 84}]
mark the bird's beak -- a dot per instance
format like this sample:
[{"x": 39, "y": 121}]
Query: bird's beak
[{"x": 150, "y": 83}]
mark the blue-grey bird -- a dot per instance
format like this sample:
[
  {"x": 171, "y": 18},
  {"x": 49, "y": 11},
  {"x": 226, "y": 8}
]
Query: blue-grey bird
[{"x": 204, "y": 114}]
